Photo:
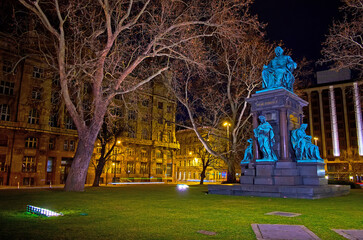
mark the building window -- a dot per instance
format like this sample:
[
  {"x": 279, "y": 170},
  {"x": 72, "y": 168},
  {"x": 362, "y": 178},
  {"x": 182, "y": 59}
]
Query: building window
[
  {"x": 51, "y": 143},
  {"x": 65, "y": 145},
  {"x": 160, "y": 105},
  {"x": 160, "y": 136},
  {"x": 132, "y": 115},
  {"x": 53, "y": 120},
  {"x": 118, "y": 112},
  {"x": 28, "y": 164},
  {"x": 143, "y": 168},
  {"x": 132, "y": 132},
  {"x": 145, "y": 103},
  {"x": 6, "y": 88},
  {"x": 158, "y": 154},
  {"x": 130, "y": 167},
  {"x": 160, "y": 120},
  {"x": 38, "y": 72},
  {"x": 36, "y": 93},
  {"x": 71, "y": 145},
  {"x": 54, "y": 99},
  {"x": 55, "y": 81},
  {"x": 31, "y": 142},
  {"x": 7, "y": 66},
  {"x": 168, "y": 109},
  {"x": 2, "y": 163},
  {"x": 4, "y": 112},
  {"x": 33, "y": 117},
  {"x": 68, "y": 122},
  {"x": 159, "y": 168},
  {"x": 50, "y": 164},
  {"x": 145, "y": 134}
]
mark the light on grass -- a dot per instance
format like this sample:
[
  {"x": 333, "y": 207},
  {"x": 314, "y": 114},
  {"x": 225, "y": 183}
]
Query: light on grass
[
  {"x": 182, "y": 187},
  {"x": 42, "y": 211}
]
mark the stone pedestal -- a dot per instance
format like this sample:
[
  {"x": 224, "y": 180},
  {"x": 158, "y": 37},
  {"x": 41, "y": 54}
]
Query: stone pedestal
[{"x": 288, "y": 176}]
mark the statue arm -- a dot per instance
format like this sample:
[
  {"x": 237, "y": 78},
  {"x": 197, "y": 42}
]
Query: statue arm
[{"x": 291, "y": 65}]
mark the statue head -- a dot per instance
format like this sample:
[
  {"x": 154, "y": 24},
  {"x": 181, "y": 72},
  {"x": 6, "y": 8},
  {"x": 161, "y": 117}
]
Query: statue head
[
  {"x": 304, "y": 126},
  {"x": 262, "y": 119},
  {"x": 279, "y": 51}
]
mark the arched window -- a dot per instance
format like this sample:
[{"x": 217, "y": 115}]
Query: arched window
[
  {"x": 4, "y": 112},
  {"x": 33, "y": 117}
]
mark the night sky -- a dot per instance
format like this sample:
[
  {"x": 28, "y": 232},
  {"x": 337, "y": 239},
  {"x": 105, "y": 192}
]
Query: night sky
[{"x": 300, "y": 24}]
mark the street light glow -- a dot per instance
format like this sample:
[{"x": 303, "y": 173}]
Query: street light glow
[{"x": 226, "y": 124}]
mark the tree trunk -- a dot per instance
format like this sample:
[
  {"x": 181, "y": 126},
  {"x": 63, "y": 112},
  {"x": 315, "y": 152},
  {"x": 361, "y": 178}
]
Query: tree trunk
[
  {"x": 202, "y": 175},
  {"x": 231, "y": 174},
  {"x": 99, "y": 169},
  {"x": 78, "y": 172}
]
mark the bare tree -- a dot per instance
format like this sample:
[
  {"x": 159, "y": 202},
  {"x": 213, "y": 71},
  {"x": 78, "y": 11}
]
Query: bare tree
[
  {"x": 219, "y": 94},
  {"x": 207, "y": 159},
  {"x": 344, "y": 43},
  {"x": 113, "y": 47}
]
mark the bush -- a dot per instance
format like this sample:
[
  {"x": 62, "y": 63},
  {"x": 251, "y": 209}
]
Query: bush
[{"x": 343, "y": 182}]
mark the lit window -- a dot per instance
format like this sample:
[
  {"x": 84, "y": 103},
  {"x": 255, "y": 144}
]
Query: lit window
[
  {"x": 4, "y": 112},
  {"x": 38, "y": 72},
  {"x": 143, "y": 168},
  {"x": 31, "y": 142},
  {"x": 50, "y": 164},
  {"x": 33, "y": 117},
  {"x": 159, "y": 168},
  {"x": 130, "y": 167},
  {"x": 28, "y": 164},
  {"x": 6, "y": 88}
]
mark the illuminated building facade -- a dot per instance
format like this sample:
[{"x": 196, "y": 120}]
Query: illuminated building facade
[
  {"x": 38, "y": 138},
  {"x": 147, "y": 147},
  {"x": 334, "y": 116},
  {"x": 188, "y": 157}
]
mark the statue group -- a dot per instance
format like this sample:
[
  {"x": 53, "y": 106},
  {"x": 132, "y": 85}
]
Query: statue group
[{"x": 278, "y": 73}]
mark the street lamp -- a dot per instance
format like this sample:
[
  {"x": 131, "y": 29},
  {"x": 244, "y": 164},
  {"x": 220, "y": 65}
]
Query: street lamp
[
  {"x": 316, "y": 141},
  {"x": 227, "y": 124}
]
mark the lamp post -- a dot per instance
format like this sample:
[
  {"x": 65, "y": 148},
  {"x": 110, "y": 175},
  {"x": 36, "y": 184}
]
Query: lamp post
[
  {"x": 227, "y": 124},
  {"x": 316, "y": 141},
  {"x": 115, "y": 161}
]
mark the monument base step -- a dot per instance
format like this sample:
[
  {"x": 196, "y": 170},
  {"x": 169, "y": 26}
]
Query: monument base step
[{"x": 303, "y": 191}]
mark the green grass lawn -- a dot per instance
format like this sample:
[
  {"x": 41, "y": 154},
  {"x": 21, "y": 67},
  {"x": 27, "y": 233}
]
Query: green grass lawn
[{"x": 161, "y": 212}]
